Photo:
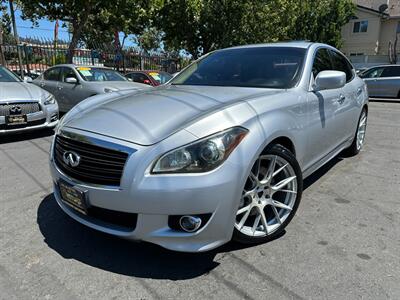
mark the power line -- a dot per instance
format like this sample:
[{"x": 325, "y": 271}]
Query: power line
[{"x": 43, "y": 29}]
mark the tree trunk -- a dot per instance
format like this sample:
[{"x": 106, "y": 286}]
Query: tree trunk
[
  {"x": 76, "y": 35},
  {"x": 2, "y": 59},
  {"x": 77, "y": 27}
]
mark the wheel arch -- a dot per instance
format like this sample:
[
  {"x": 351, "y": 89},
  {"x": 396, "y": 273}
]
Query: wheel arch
[{"x": 283, "y": 141}]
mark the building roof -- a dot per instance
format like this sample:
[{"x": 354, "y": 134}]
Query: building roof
[{"x": 372, "y": 10}]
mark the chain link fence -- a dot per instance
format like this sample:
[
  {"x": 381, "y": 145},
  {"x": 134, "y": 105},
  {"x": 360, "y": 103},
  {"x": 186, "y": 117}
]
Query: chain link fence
[{"x": 39, "y": 54}]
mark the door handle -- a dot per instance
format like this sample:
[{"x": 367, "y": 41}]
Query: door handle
[
  {"x": 341, "y": 98},
  {"x": 359, "y": 92}
]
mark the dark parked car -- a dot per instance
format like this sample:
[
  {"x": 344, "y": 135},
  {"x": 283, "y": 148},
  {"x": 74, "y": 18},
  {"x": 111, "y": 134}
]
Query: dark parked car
[{"x": 153, "y": 78}]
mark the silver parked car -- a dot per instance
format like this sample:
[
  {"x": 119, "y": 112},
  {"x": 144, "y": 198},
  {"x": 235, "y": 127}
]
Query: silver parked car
[
  {"x": 24, "y": 106},
  {"x": 219, "y": 152},
  {"x": 71, "y": 84},
  {"x": 383, "y": 81}
]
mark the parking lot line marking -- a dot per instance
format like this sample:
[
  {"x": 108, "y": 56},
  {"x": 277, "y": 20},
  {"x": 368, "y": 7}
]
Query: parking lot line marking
[{"x": 40, "y": 147}]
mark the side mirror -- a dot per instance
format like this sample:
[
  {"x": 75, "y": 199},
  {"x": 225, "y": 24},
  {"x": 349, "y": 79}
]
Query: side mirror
[
  {"x": 71, "y": 80},
  {"x": 327, "y": 80},
  {"x": 27, "y": 79}
]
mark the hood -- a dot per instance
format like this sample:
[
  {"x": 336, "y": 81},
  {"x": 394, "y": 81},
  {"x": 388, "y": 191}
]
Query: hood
[
  {"x": 148, "y": 117},
  {"x": 120, "y": 85},
  {"x": 20, "y": 91}
]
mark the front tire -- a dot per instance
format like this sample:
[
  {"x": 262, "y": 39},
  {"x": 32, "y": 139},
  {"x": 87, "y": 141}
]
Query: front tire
[
  {"x": 359, "y": 137},
  {"x": 270, "y": 198}
]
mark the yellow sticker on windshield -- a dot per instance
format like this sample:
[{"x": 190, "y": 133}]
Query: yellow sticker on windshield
[
  {"x": 153, "y": 74},
  {"x": 84, "y": 69}
]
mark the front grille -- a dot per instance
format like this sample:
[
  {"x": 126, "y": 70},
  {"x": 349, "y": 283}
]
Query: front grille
[
  {"x": 26, "y": 108},
  {"x": 29, "y": 124},
  {"x": 97, "y": 164}
]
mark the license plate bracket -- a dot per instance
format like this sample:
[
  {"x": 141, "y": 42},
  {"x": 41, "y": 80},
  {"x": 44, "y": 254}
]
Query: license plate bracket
[
  {"x": 14, "y": 120},
  {"x": 73, "y": 196}
]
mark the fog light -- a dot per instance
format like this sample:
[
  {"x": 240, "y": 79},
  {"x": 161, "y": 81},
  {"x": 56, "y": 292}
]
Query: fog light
[
  {"x": 54, "y": 118},
  {"x": 190, "y": 223}
]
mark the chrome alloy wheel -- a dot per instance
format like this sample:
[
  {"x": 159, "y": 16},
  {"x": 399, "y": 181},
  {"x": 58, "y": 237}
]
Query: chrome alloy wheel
[
  {"x": 362, "y": 126},
  {"x": 268, "y": 198}
]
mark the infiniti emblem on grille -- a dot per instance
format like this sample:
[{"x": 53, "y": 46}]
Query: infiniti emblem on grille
[
  {"x": 15, "y": 110},
  {"x": 71, "y": 158}
]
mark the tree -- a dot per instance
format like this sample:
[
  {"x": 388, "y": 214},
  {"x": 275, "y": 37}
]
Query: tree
[
  {"x": 200, "y": 26},
  {"x": 322, "y": 21},
  {"x": 89, "y": 20},
  {"x": 5, "y": 29},
  {"x": 150, "y": 39}
]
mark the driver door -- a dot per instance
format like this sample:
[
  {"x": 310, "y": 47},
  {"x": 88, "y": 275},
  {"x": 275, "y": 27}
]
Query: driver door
[
  {"x": 322, "y": 107},
  {"x": 70, "y": 93}
]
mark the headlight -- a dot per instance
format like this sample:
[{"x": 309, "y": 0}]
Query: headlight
[
  {"x": 49, "y": 100},
  {"x": 201, "y": 156}
]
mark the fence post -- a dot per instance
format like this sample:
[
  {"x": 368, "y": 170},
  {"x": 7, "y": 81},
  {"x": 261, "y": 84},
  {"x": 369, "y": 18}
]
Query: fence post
[{"x": 27, "y": 60}]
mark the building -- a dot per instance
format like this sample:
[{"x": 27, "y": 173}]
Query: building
[{"x": 366, "y": 38}]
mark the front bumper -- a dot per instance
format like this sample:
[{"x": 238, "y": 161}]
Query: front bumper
[
  {"x": 155, "y": 197},
  {"x": 46, "y": 118}
]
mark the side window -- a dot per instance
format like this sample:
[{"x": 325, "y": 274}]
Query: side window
[
  {"x": 322, "y": 61},
  {"x": 372, "y": 73},
  {"x": 341, "y": 64},
  {"x": 391, "y": 71},
  {"x": 139, "y": 77},
  {"x": 52, "y": 74},
  {"x": 68, "y": 72}
]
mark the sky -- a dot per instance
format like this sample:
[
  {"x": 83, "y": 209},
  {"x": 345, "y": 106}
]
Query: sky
[{"x": 45, "y": 30}]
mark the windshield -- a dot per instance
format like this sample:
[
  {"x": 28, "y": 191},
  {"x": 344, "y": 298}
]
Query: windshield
[
  {"x": 160, "y": 77},
  {"x": 99, "y": 74},
  {"x": 264, "y": 67},
  {"x": 8, "y": 76}
]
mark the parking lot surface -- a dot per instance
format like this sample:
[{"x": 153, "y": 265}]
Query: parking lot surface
[{"x": 343, "y": 243}]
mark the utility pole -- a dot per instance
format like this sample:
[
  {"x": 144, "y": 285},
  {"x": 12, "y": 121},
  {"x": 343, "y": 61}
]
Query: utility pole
[{"x": 16, "y": 37}]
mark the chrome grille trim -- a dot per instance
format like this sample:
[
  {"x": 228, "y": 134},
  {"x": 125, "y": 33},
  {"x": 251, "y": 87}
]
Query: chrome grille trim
[
  {"x": 100, "y": 164},
  {"x": 26, "y": 108}
]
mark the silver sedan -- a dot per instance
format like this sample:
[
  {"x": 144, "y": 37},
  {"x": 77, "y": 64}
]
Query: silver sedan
[
  {"x": 383, "y": 81},
  {"x": 71, "y": 84},
  {"x": 220, "y": 152},
  {"x": 24, "y": 106}
]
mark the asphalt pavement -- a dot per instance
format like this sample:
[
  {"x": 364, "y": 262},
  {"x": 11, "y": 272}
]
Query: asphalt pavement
[{"x": 344, "y": 242}]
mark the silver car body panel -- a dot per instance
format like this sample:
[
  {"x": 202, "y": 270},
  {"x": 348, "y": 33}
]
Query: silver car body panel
[
  {"x": 21, "y": 92},
  {"x": 154, "y": 122}
]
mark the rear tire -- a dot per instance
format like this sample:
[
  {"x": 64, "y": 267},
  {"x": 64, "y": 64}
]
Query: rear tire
[{"x": 270, "y": 198}]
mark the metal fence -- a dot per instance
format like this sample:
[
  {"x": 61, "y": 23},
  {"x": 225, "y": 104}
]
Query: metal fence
[
  {"x": 366, "y": 61},
  {"x": 39, "y": 54}
]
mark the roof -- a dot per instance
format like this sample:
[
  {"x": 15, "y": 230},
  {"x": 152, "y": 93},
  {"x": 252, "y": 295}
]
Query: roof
[
  {"x": 292, "y": 44},
  {"x": 147, "y": 71},
  {"x": 373, "y": 10},
  {"x": 79, "y": 66}
]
